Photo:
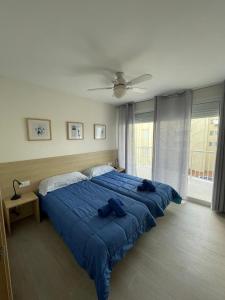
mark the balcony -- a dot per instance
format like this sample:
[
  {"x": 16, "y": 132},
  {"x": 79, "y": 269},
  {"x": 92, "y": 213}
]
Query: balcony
[
  {"x": 201, "y": 174},
  {"x": 200, "y": 189}
]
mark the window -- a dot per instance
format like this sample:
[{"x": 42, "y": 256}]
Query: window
[
  {"x": 214, "y": 121},
  {"x": 213, "y": 144},
  {"x": 213, "y": 132}
]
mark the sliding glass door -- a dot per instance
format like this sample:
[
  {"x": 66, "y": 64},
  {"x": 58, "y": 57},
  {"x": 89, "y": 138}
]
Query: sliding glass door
[{"x": 203, "y": 146}]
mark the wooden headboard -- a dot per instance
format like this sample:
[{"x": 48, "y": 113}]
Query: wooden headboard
[{"x": 37, "y": 169}]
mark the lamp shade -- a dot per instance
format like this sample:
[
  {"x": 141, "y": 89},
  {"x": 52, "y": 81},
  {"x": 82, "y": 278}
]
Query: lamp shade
[{"x": 16, "y": 196}]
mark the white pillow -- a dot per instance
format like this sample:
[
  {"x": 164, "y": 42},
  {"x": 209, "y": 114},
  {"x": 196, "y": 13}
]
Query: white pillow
[
  {"x": 97, "y": 171},
  {"x": 56, "y": 182}
]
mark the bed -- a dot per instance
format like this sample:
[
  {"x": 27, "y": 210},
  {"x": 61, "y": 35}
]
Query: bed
[
  {"x": 127, "y": 185},
  {"x": 96, "y": 243}
]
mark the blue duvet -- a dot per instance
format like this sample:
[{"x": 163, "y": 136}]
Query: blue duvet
[
  {"x": 96, "y": 243},
  {"x": 127, "y": 185}
]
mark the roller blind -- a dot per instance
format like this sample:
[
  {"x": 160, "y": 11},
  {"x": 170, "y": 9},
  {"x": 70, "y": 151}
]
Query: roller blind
[
  {"x": 145, "y": 117},
  {"x": 204, "y": 110}
]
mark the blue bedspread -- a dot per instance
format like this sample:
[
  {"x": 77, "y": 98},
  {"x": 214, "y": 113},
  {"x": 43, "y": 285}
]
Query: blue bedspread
[
  {"x": 97, "y": 243},
  {"x": 127, "y": 185}
]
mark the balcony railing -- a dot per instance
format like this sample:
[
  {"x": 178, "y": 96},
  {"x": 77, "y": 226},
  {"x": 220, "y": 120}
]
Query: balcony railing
[{"x": 202, "y": 164}]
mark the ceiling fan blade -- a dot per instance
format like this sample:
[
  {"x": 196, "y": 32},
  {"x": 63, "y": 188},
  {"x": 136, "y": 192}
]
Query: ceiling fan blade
[
  {"x": 137, "y": 90},
  {"x": 97, "y": 89},
  {"x": 140, "y": 79}
]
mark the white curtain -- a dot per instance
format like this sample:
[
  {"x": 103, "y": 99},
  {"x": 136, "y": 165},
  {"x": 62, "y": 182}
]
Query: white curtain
[
  {"x": 126, "y": 139},
  {"x": 171, "y": 140}
]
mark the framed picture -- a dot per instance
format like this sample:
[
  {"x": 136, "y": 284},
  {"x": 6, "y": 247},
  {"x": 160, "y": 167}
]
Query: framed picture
[
  {"x": 100, "y": 131},
  {"x": 38, "y": 129},
  {"x": 75, "y": 131}
]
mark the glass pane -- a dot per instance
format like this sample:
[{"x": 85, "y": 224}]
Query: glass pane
[
  {"x": 203, "y": 145},
  {"x": 143, "y": 149}
]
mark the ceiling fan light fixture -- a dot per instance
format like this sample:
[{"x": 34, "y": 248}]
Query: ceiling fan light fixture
[
  {"x": 120, "y": 85},
  {"x": 119, "y": 91}
]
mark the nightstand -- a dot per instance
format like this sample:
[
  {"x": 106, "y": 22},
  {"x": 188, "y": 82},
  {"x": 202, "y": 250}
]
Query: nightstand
[
  {"x": 120, "y": 170},
  {"x": 26, "y": 198}
]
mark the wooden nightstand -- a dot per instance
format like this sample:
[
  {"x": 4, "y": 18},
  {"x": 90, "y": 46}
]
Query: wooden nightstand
[
  {"x": 120, "y": 170},
  {"x": 26, "y": 198}
]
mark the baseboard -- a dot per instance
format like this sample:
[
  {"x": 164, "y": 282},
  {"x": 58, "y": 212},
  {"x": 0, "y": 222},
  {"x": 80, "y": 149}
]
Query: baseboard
[{"x": 198, "y": 201}]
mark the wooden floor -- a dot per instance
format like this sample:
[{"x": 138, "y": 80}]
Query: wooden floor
[{"x": 183, "y": 258}]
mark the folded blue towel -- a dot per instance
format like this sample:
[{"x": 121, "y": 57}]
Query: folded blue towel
[
  {"x": 146, "y": 181},
  {"x": 140, "y": 188},
  {"x": 117, "y": 199},
  {"x": 104, "y": 211},
  {"x": 146, "y": 186},
  {"x": 116, "y": 205}
]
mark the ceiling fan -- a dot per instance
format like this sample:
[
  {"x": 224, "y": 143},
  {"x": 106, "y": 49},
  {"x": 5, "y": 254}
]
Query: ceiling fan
[{"x": 120, "y": 85}]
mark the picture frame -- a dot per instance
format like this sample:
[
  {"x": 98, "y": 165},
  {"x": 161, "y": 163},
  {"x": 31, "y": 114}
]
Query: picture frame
[
  {"x": 75, "y": 130},
  {"x": 99, "y": 131},
  {"x": 38, "y": 129}
]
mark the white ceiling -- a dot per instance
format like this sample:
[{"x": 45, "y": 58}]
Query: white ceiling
[{"x": 72, "y": 45}]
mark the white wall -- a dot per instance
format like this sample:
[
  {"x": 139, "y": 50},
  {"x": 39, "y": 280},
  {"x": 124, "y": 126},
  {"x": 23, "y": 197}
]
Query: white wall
[{"x": 19, "y": 100}]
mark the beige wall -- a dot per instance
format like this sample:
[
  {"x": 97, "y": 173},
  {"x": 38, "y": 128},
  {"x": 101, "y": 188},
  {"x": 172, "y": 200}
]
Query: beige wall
[{"x": 19, "y": 100}]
